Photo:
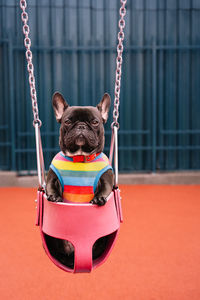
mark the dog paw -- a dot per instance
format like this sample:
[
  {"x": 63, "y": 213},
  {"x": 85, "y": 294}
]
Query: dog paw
[
  {"x": 53, "y": 198},
  {"x": 100, "y": 201},
  {"x": 68, "y": 247}
]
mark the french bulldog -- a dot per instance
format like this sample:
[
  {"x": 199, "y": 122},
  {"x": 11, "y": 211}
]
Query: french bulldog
[{"x": 81, "y": 133}]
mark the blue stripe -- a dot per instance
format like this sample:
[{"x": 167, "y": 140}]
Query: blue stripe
[
  {"x": 66, "y": 157},
  {"x": 99, "y": 156},
  {"x": 99, "y": 175},
  {"x": 78, "y": 181},
  {"x": 67, "y": 173},
  {"x": 58, "y": 175}
]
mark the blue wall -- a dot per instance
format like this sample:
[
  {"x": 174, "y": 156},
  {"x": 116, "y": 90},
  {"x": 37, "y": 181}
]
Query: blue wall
[{"x": 74, "y": 48}]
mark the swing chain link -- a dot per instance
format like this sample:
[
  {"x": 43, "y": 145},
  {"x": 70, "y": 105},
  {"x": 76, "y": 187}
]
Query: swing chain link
[
  {"x": 120, "y": 48},
  {"x": 30, "y": 67}
]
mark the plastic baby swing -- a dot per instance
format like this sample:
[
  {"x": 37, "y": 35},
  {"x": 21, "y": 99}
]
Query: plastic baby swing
[{"x": 59, "y": 220}]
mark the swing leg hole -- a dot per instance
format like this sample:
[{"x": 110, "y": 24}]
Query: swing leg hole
[
  {"x": 100, "y": 249},
  {"x": 102, "y": 246},
  {"x": 57, "y": 248}
]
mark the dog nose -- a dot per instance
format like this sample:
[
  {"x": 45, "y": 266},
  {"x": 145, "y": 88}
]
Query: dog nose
[{"x": 81, "y": 126}]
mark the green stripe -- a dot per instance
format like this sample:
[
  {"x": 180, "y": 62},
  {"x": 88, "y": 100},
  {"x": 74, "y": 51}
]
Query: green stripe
[{"x": 66, "y": 173}]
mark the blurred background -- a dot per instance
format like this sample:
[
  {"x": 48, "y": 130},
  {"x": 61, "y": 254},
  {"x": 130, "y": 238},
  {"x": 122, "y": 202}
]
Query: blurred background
[{"x": 74, "y": 51}]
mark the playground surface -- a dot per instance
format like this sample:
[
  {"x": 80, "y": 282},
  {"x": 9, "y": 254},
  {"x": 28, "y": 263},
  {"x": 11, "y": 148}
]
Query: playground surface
[{"x": 156, "y": 257}]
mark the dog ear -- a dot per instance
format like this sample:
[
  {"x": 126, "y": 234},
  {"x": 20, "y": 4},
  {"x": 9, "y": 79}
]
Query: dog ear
[
  {"x": 104, "y": 106},
  {"x": 59, "y": 105}
]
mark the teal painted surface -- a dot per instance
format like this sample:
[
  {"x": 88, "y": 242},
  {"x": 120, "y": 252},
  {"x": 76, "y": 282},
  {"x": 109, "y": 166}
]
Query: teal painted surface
[{"x": 74, "y": 51}]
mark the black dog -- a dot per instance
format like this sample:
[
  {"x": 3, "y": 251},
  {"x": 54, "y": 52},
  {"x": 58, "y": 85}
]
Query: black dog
[{"x": 81, "y": 133}]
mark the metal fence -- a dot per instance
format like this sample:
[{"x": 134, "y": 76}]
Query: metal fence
[{"x": 74, "y": 48}]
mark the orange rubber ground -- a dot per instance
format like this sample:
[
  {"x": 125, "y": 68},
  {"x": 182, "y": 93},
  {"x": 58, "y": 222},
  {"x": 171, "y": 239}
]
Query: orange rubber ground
[{"x": 157, "y": 255}]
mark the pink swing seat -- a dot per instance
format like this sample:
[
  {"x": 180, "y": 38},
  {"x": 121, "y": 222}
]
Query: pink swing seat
[{"x": 82, "y": 225}]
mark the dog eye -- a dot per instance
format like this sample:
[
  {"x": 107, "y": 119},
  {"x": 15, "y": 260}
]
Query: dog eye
[
  {"x": 95, "y": 122},
  {"x": 68, "y": 122}
]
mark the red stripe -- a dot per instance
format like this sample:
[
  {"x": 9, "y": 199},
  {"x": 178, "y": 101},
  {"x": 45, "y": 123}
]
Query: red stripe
[{"x": 78, "y": 189}]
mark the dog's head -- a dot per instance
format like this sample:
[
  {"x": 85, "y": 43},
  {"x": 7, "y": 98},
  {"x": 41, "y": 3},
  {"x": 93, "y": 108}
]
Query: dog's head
[{"x": 82, "y": 127}]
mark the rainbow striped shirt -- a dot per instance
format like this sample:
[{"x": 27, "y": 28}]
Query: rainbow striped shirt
[{"x": 79, "y": 179}]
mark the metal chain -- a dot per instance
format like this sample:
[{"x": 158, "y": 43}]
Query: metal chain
[
  {"x": 121, "y": 25},
  {"x": 30, "y": 67}
]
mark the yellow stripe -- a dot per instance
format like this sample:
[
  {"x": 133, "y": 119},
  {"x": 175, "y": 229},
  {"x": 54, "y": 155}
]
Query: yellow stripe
[
  {"x": 78, "y": 198},
  {"x": 95, "y": 166}
]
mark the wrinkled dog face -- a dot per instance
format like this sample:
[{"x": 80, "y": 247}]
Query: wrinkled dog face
[{"x": 81, "y": 130}]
